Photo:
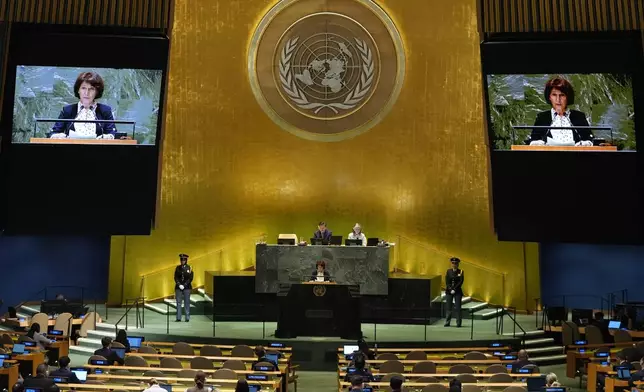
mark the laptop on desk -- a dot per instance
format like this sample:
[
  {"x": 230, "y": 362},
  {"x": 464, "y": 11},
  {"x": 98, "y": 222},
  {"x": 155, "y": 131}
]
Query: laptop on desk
[
  {"x": 18, "y": 349},
  {"x": 536, "y": 383},
  {"x": 120, "y": 352},
  {"x": 135, "y": 341},
  {"x": 319, "y": 241},
  {"x": 623, "y": 373},
  {"x": 81, "y": 373}
]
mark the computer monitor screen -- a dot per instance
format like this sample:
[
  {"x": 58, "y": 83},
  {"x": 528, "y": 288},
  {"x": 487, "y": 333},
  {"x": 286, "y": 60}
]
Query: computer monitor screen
[
  {"x": 623, "y": 373},
  {"x": 276, "y": 344},
  {"x": 120, "y": 352},
  {"x": 286, "y": 241},
  {"x": 602, "y": 354},
  {"x": 536, "y": 383},
  {"x": 553, "y": 389},
  {"x": 1, "y": 362},
  {"x": 254, "y": 388},
  {"x": 56, "y": 332},
  {"x": 614, "y": 324},
  {"x": 272, "y": 357},
  {"x": 496, "y": 344},
  {"x": 135, "y": 341},
  {"x": 349, "y": 242},
  {"x": 122, "y": 103},
  {"x": 29, "y": 344},
  {"x": 101, "y": 362},
  {"x": 257, "y": 377},
  {"x": 81, "y": 373},
  {"x": 367, "y": 389},
  {"x": 18, "y": 348},
  {"x": 264, "y": 368},
  {"x": 167, "y": 387},
  {"x": 33, "y": 390},
  {"x": 576, "y": 111},
  {"x": 59, "y": 380},
  {"x": 350, "y": 349}
]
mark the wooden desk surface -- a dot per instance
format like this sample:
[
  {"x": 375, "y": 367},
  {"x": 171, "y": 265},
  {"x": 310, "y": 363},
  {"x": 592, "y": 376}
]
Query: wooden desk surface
[
  {"x": 318, "y": 283},
  {"x": 344, "y": 385},
  {"x": 35, "y": 357},
  {"x": 582, "y": 330},
  {"x": 12, "y": 373},
  {"x": 221, "y": 346},
  {"x": 611, "y": 383},
  {"x": 111, "y": 387},
  {"x": 438, "y": 350},
  {"x": 450, "y": 375},
  {"x": 189, "y": 357},
  {"x": 44, "y": 140},
  {"x": 143, "y": 369},
  {"x": 438, "y": 362},
  {"x": 273, "y": 383},
  {"x": 562, "y": 148},
  {"x": 25, "y": 323}
]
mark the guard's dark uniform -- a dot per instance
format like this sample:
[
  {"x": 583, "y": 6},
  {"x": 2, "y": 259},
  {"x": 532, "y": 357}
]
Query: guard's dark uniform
[
  {"x": 183, "y": 275},
  {"x": 453, "y": 281}
]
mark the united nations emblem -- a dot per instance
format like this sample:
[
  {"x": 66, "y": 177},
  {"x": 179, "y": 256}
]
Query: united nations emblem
[
  {"x": 319, "y": 291},
  {"x": 326, "y": 71}
]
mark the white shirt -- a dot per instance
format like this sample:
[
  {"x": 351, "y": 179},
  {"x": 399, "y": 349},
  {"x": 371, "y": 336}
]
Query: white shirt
[
  {"x": 361, "y": 236},
  {"x": 320, "y": 277},
  {"x": 154, "y": 388},
  {"x": 562, "y": 136},
  {"x": 83, "y": 129}
]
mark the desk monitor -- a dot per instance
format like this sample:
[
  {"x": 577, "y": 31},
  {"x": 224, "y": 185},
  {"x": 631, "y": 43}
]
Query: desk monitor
[
  {"x": 167, "y": 387},
  {"x": 372, "y": 241},
  {"x": 56, "y": 332},
  {"x": 98, "y": 371},
  {"x": 59, "y": 380},
  {"x": 614, "y": 324},
  {"x": 350, "y": 349},
  {"x": 29, "y": 344},
  {"x": 319, "y": 241},
  {"x": 257, "y": 377},
  {"x": 496, "y": 344},
  {"x": 336, "y": 240},
  {"x": 605, "y": 363},
  {"x": 135, "y": 341},
  {"x": 1, "y": 362},
  {"x": 602, "y": 354},
  {"x": 254, "y": 388},
  {"x": 349, "y": 242},
  {"x": 581, "y": 342},
  {"x": 554, "y": 389},
  {"x": 263, "y": 368},
  {"x": 18, "y": 348},
  {"x": 33, "y": 390},
  {"x": 100, "y": 362},
  {"x": 273, "y": 357},
  {"x": 623, "y": 373},
  {"x": 119, "y": 351},
  {"x": 351, "y": 370},
  {"x": 276, "y": 344},
  {"x": 521, "y": 370},
  {"x": 5, "y": 356},
  {"x": 536, "y": 383},
  {"x": 81, "y": 373},
  {"x": 509, "y": 358},
  {"x": 286, "y": 241},
  {"x": 367, "y": 389}
]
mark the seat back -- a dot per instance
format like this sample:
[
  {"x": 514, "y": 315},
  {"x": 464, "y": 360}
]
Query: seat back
[
  {"x": 41, "y": 319},
  {"x": 182, "y": 348},
  {"x": 96, "y": 357},
  {"x": 170, "y": 363},
  {"x": 6, "y": 339},
  {"x": 594, "y": 335},
  {"x": 392, "y": 366},
  {"x": 186, "y": 373},
  {"x": 475, "y": 356},
  {"x": 495, "y": 369},
  {"x": 622, "y": 336},
  {"x": 427, "y": 380},
  {"x": 117, "y": 345},
  {"x": 210, "y": 351},
  {"x": 242, "y": 351},
  {"x": 135, "y": 360},
  {"x": 534, "y": 368},
  {"x": 121, "y": 372},
  {"x": 147, "y": 350},
  {"x": 416, "y": 356},
  {"x": 153, "y": 373},
  {"x": 64, "y": 323},
  {"x": 24, "y": 338},
  {"x": 467, "y": 378},
  {"x": 569, "y": 333},
  {"x": 224, "y": 374},
  {"x": 501, "y": 378},
  {"x": 387, "y": 377},
  {"x": 236, "y": 364},
  {"x": 201, "y": 363},
  {"x": 435, "y": 388},
  {"x": 460, "y": 369},
  {"x": 426, "y": 367},
  {"x": 387, "y": 357}
]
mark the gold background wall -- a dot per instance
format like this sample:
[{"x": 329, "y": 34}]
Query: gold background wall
[{"x": 420, "y": 177}]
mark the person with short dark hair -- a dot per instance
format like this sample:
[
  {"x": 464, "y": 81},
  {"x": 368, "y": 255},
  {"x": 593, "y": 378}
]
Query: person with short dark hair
[
  {"x": 323, "y": 232},
  {"x": 183, "y": 276},
  {"x": 320, "y": 274},
  {"x": 242, "y": 386},
  {"x": 260, "y": 352},
  {"x": 89, "y": 87},
  {"x": 359, "y": 363},
  {"x": 453, "y": 291},
  {"x": 356, "y": 383},
  {"x": 41, "y": 381},
  {"x": 107, "y": 351},
  {"x": 64, "y": 371},
  {"x": 396, "y": 383},
  {"x": 560, "y": 94}
]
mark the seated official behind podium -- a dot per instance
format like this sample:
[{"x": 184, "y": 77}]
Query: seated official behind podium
[
  {"x": 560, "y": 94},
  {"x": 357, "y": 234},
  {"x": 320, "y": 274},
  {"x": 88, "y": 88},
  {"x": 323, "y": 233}
]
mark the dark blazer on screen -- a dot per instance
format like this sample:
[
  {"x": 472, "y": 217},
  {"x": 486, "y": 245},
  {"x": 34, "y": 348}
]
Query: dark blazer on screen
[
  {"x": 69, "y": 112},
  {"x": 577, "y": 118}
]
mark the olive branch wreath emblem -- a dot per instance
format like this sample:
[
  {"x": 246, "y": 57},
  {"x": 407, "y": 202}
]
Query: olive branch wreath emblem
[{"x": 350, "y": 101}]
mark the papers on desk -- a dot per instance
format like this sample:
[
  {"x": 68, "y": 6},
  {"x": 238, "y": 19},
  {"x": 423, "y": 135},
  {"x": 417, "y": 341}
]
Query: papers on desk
[
  {"x": 552, "y": 142},
  {"x": 75, "y": 135}
]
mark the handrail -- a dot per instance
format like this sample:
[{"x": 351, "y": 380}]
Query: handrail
[
  {"x": 500, "y": 324},
  {"x": 140, "y": 317}
]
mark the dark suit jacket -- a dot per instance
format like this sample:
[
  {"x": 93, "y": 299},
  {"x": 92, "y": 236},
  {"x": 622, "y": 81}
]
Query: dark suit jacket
[
  {"x": 109, "y": 355},
  {"x": 314, "y": 275},
  {"x": 454, "y": 281},
  {"x": 264, "y": 359},
  {"x": 44, "y": 383},
  {"x": 521, "y": 363},
  {"x": 69, "y": 112},
  {"x": 577, "y": 118},
  {"x": 68, "y": 374},
  {"x": 325, "y": 236}
]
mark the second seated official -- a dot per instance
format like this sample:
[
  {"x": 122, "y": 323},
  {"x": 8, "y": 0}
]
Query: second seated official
[
  {"x": 323, "y": 232},
  {"x": 357, "y": 234},
  {"x": 560, "y": 94}
]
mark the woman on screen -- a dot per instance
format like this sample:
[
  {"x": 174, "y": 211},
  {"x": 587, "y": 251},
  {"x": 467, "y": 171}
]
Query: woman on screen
[
  {"x": 560, "y": 94},
  {"x": 88, "y": 88}
]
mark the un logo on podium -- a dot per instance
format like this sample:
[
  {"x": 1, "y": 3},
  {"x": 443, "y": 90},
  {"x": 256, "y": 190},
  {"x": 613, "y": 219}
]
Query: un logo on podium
[
  {"x": 319, "y": 290},
  {"x": 327, "y": 71}
]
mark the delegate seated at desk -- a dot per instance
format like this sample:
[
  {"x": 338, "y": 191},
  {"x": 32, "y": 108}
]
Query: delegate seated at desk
[
  {"x": 320, "y": 274},
  {"x": 559, "y": 93}
]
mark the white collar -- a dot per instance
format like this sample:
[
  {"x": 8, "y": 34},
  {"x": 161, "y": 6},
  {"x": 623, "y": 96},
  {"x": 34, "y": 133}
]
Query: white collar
[
  {"x": 555, "y": 114},
  {"x": 91, "y": 107}
]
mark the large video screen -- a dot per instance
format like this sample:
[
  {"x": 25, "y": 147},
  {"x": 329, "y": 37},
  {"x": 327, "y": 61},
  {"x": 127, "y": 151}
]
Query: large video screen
[
  {"x": 86, "y": 105},
  {"x": 561, "y": 112}
]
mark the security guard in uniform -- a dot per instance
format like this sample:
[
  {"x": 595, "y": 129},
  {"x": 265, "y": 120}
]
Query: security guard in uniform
[
  {"x": 183, "y": 275},
  {"x": 453, "y": 291}
]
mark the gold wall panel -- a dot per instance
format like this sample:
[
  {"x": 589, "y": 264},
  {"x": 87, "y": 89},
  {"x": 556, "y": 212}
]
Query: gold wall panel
[
  {"x": 499, "y": 16},
  {"x": 230, "y": 174},
  {"x": 153, "y": 14}
]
